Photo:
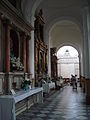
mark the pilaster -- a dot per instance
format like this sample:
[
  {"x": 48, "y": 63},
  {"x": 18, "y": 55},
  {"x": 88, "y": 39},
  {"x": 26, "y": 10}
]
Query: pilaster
[
  {"x": 0, "y": 38},
  {"x": 7, "y": 47},
  {"x": 24, "y": 52},
  {"x": 7, "y": 55},
  {"x": 87, "y": 89},
  {"x": 86, "y": 42},
  {"x": 27, "y": 55},
  {"x": 86, "y": 51}
]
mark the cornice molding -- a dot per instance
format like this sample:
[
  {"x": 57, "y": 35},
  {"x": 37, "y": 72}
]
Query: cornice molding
[{"x": 11, "y": 13}]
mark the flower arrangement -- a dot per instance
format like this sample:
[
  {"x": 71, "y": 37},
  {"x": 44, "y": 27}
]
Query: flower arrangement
[
  {"x": 16, "y": 64},
  {"x": 26, "y": 84}
]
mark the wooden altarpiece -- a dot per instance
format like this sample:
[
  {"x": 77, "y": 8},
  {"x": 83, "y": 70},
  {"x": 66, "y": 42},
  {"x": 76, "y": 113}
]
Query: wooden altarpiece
[{"x": 40, "y": 48}]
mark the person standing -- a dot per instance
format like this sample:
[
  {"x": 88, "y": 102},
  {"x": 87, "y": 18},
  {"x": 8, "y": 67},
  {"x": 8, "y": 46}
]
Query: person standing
[{"x": 73, "y": 79}]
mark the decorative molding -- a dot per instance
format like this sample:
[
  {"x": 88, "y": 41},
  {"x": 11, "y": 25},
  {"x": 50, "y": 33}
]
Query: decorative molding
[
  {"x": 15, "y": 16},
  {"x": 40, "y": 47}
]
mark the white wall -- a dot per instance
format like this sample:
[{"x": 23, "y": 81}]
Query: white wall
[
  {"x": 65, "y": 70},
  {"x": 67, "y": 33},
  {"x": 68, "y": 62}
]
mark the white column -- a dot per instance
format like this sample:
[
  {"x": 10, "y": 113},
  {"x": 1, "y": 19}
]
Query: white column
[
  {"x": 88, "y": 25},
  {"x": 32, "y": 54},
  {"x": 32, "y": 59},
  {"x": 49, "y": 57},
  {"x": 86, "y": 42}
]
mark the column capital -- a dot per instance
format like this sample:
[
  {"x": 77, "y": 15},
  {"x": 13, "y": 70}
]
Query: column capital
[{"x": 86, "y": 8}]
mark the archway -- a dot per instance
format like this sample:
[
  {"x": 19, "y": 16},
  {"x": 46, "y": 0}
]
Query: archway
[
  {"x": 68, "y": 61},
  {"x": 66, "y": 32}
]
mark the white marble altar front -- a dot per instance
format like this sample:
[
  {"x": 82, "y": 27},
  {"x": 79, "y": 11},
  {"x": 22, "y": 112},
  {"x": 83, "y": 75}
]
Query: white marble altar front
[{"x": 12, "y": 105}]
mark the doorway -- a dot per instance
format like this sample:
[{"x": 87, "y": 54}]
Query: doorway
[{"x": 68, "y": 62}]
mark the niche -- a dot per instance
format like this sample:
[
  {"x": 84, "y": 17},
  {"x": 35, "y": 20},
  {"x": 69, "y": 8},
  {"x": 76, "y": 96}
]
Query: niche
[{"x": 14, "y": 44}]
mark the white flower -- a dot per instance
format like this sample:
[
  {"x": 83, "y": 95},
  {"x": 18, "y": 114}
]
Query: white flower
[{"x": 15, "y": 62}]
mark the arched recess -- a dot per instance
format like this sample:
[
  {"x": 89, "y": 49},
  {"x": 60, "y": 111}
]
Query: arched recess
[
  {"x": 14, "y": 44},
  {"x": 52, "y": 23},
  {"x": 69, "y": 44},
  {"x": 76, "y": 43},
  {"x": 29, "y": 9}
]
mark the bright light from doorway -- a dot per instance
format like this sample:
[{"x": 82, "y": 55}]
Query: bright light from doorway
[
  {"x": 73, "y": 52},
  {"x": 68, "y": 61}
]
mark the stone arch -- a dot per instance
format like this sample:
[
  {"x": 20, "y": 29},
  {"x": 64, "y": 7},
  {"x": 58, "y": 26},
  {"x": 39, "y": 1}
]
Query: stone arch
[
  {"x": 66, "y": 43},
  {"x": 60, "y": 19},
  {"x": 69, "y": 44},
  {"x": 50, "y": 27}
]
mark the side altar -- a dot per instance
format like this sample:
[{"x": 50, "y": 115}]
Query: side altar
[
  {"x": 14, "y": 47},
  {"x": 15, "y": 62},
  {"x": 15, "y": 104},
  {"x": 41, "y": 64}
]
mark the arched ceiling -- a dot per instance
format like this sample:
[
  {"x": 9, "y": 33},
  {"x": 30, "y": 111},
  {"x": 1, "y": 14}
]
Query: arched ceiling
[
  {"x": 54, "y": 11},
  {"x": 26, "y": 6},
  {"x": 29, "y": 7},
  {"x": 66, "y": 33}
]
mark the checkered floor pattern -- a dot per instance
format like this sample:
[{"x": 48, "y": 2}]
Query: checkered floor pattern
[{"x": 64, "y": 104}]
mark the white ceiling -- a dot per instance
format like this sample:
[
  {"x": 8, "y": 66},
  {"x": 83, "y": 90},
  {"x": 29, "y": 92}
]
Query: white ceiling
[
  {"x": 66, "y": 33},
  {"x": 55, "y": 11}
]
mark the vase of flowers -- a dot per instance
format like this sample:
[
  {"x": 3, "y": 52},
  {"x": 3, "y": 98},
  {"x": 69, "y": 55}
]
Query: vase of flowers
[{"x": 26, "y": 84}]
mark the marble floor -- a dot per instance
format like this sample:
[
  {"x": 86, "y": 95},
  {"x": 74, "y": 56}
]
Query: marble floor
[{"x": 64, "y": 104}]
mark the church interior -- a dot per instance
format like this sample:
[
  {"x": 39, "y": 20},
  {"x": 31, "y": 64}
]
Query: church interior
[{"x": 43, "y": 43}]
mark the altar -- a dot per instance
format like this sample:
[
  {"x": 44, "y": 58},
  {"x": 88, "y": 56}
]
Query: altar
[
  {"x": 12, "y": 105},
  {"x": 15, "y": 35}
]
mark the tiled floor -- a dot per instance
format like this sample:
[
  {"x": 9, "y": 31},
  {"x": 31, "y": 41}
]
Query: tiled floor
[{"x": 65, "y": 104}]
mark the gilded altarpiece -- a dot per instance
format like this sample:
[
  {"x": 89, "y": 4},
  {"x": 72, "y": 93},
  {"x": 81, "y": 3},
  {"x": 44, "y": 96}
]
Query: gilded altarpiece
[{"x": 40, "y": 48}]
